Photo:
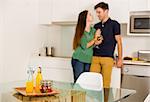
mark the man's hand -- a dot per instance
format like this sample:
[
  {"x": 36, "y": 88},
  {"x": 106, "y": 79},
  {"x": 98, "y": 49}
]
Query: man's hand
[
  {"x": 119, "y": 43},
  {"x": 119, "y": 63}
]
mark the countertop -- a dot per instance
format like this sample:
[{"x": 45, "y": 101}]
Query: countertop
[
  {"x": 130, "y": 62},
  {"x": 125, "y": 62}
]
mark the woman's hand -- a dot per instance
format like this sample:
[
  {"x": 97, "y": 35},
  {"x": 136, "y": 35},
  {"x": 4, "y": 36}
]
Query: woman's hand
[
  {"x": 98, "y": 37},
  {"x": 98, "y": 42},
  {"x": 98, "y": 33}
]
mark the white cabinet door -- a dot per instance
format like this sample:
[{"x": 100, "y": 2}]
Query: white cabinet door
[
  {"x": 58, "y": 74},
  {"x": 138, "y": 5},
  {"x": 45, "y": 11},
  {"x": 118, "y": 10},
  {"x": 53, "y": 68},
  {"x": 148, "y": 3},
  {"x": 136, "y": 70},
  {"x": 89, "y": 5},
  {"x": 65, "y": 10},
  {"x": 116, "y": 78}
]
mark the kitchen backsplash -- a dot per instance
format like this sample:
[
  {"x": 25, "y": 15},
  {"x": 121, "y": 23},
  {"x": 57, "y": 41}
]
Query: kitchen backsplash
[{"x": 65, "y": 34}]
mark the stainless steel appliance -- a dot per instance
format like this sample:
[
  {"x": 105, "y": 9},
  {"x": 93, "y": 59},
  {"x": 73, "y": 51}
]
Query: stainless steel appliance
[
  {"x": 136, "y": 77},
  {"x": 144, "y": 55},
  {"x": 140, "y": 22}
]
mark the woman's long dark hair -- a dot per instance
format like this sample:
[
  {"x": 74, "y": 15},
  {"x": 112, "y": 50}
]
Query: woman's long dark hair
[{"x": 80, "y": 28}]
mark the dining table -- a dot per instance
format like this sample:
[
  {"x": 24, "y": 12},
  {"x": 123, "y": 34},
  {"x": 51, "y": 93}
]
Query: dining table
[{"x": 65, "y": 92}]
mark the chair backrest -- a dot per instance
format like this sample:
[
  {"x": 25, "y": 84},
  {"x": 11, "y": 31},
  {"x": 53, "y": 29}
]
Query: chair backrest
[
  {"x": 116, "y": 78},
  {"x": 147, "y": 98},
  {"x": 90, "y": 81}
]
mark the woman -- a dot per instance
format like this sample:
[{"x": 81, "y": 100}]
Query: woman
[{"x": 84, "y": 40}]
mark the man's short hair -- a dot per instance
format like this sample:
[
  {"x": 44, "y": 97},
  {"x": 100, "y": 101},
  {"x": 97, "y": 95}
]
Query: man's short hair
[{"x": 102, "y": 5}]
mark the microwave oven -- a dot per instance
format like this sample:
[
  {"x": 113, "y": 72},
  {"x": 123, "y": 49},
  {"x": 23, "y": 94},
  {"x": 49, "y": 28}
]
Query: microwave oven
[{"x": 140, "y": 22}]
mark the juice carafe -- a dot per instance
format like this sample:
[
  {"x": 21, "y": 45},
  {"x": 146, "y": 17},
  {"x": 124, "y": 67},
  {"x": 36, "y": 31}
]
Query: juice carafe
[
  {"x": 30, "y": 82},
  {"x": 38, "y": 80}
]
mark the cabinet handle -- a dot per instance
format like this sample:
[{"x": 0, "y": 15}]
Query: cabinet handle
[
  {"x": 126, "y": 70},
  {"x": 142, "y": 76}
]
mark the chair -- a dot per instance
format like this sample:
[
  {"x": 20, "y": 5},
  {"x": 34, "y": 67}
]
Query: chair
[
  {"x": 147, "y": 98},
  {"x": 91, "y": 81},
  {"x": 116, "y": 78}
]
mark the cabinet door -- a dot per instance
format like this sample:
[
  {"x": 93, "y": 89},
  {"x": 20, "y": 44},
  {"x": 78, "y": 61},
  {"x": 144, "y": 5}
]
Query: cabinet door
[
  {"x": 89, "y": 5},
  {"x": 65, "y": 10},
  {"x": 45, "y": 11},
  {"x": 118, "y": 10},
  {"x": 58, "y": 74},
  {"x": 148, "y": 3},
  {"x": 136, "y": 70},
  {"x": 138, "y": 5}
]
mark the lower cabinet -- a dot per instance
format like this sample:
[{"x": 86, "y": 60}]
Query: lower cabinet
[
  {"x": 60, "y": 69},
  {"x": 59, "y": 74},
  {"x": 53, "y": 68},
  {"x": 136, "y": 77}
]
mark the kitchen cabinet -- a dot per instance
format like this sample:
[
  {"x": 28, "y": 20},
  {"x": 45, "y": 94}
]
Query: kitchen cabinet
[
  {"x": 45, "y": 11},
  {"x": 138, "y": 5},
  {"x": 136, "y": 77},
  {"x": 58, "y": 74},
  {"x": 89, "y": 5},
  {"x": 70, "y": 12},
  {"x": 148, "y": 4},
  {"x": 60, "y": 69},
  {"x": 64, "y": 10},
  {"x": 54, "y": 68},
  {"x": 118, "y": 11}
]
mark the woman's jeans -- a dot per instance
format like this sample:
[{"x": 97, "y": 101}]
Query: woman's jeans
[{"x": 79, "y": 67}]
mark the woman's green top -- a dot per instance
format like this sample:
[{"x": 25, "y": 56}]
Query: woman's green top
[{"x": 82, "y": 53}]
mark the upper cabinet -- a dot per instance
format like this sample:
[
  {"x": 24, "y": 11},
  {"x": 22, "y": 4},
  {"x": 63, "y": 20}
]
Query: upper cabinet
[
  {"x": 138, "y": 5},
  {"x": 119, "y": 10},
  {"x": 64, "y": 10},
  {"x": 45, "y": 11},
  {"x": 68, "y": 10},
  {"x": 89, "y": 5},
  {"x": 148, "y": 4}
]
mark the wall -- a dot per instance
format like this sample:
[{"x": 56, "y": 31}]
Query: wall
[
  {"x": 131, "y": 44},
  {"x": 65, "y": 34},
  {"x": 21, "y": 38},
  {"x": 61, "y": 37},
  {"x": 54, "y": 39},
  {"x": 1, "y": 32},
  {"x": 67, "y": 40}
]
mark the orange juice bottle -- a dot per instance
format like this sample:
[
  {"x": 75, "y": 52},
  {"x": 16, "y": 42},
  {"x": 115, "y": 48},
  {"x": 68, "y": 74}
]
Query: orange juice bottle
[
  {"x": 30, "y": 82},
  {"x": 38, "y": 80}
]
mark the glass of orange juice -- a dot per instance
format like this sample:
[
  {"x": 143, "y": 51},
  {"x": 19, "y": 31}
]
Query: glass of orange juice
[
  {"x": 29, "y": 86},
  {"x": 30, "y": 82}
]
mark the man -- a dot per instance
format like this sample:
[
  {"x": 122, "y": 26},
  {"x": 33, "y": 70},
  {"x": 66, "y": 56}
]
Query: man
[{"x": 102, "y": 61}]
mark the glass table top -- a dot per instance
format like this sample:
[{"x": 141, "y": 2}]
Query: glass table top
[{"x": 69, "y": 92}]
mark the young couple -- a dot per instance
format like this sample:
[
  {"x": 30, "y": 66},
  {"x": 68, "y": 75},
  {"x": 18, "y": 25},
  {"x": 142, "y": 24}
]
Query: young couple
[{"x": 94, "y": 46}]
